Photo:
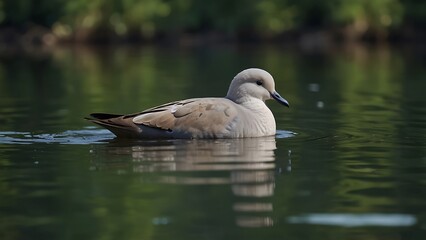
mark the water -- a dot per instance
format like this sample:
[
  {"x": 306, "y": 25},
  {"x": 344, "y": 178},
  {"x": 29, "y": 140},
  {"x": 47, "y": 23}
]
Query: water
[{"x": 348, "y": 161}]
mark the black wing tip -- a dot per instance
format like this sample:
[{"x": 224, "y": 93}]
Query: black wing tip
[{"x": 101, "y": 116}]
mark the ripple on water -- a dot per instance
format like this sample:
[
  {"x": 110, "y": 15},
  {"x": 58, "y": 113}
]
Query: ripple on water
[
  {"x": 355, "y": 220},
  {"x": 285, "y": 134},
  {"x": 88, "y": 135}
]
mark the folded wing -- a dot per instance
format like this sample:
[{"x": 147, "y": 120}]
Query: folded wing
[{"x": 202, "y": 117}]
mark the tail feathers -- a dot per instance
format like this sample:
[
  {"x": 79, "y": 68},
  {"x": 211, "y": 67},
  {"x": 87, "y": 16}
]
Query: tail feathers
[{"x": 116, "y": 124}]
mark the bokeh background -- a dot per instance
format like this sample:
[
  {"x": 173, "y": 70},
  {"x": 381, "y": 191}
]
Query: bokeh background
[
  {"x": 176, "y": 21},
  {"x": 348, "y": 161}
]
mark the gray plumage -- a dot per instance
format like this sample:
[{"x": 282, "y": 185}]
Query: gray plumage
[{"x": 242, "y": 113}]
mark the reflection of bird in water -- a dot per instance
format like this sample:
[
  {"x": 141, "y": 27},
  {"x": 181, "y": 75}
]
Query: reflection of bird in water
[
  {"x": 200, "y": 155},
  {"x": 250, "y": 163}
]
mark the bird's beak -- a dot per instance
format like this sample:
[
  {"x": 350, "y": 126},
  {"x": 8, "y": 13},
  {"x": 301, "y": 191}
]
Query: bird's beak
[{"x": 279, "y": 99}]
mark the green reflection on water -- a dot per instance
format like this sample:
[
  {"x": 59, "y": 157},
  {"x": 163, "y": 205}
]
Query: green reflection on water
[{"x": 358, "y": 115}]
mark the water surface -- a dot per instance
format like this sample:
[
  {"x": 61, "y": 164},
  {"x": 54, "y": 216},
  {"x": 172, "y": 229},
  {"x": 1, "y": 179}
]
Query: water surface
[{"x": 348, "y": 160}]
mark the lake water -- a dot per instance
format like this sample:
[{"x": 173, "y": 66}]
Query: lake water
[{"x": 348, "y": 161}]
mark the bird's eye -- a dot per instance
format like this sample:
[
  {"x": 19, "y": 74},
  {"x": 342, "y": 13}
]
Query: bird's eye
[{"x": 259, "y": 82}]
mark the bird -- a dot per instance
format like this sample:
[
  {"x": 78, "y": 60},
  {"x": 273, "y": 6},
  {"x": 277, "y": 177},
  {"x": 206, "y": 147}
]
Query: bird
[{"x": 242, "y": 113}]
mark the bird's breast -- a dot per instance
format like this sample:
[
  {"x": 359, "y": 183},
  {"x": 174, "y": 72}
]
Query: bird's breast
[{"x": 259, "y": 121}]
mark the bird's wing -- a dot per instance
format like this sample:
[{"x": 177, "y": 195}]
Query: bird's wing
[{"x": 211, "y": 116}]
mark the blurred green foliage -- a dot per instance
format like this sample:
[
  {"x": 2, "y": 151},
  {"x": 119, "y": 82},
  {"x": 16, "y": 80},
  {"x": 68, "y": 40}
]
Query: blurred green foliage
[{"x": 148, "y": 18}]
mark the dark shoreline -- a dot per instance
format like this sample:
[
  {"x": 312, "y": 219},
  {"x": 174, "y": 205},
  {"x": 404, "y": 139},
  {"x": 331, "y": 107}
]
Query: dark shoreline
[{"x": 41, "y": 36}]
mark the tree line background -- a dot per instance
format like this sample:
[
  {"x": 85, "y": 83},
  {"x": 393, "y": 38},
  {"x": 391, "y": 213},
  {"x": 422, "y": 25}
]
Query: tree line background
[{"x": 48, "y": 21}]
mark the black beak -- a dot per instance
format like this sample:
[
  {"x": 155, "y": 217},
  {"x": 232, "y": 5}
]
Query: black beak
[{"x": 279, "y": 99}]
